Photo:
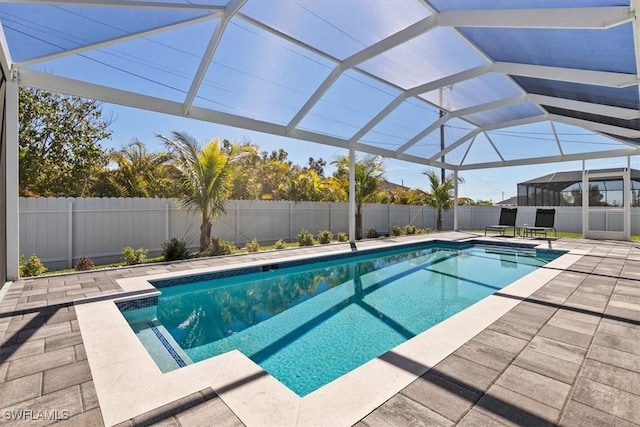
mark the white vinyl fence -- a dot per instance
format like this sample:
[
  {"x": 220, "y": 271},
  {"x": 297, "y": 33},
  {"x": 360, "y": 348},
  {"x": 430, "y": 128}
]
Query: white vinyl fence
[{"x": 61, "y": 230}]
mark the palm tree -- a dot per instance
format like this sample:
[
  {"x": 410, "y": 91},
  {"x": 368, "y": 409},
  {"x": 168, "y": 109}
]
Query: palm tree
[
  {"x": 140, "y": 173},
  {"x": 205, "y": 174},
  {"x": 368, "y": 176},
  {"x": 441, "y": 195}
]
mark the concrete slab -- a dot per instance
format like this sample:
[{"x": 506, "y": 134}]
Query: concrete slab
[
  {"x": 535, "y": 386},
  {"x": 402, "y": 411},
  {"x": 447, "y": 398},
  {"x": 546, "y": 365}
]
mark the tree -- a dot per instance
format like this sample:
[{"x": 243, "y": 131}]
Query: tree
[
  {"x": 467, "y": 201},
  {"x": 315, "y": 165},
  {"x": 401, "y": 196},
  {"x": 205, "y": 174},
  {"x": 368, "y": 175},
  {"x": 306, "y": 186},
  {"x": 246, "y": 178},
  {"x": 595, "y": 196},
  {"x": 59, "y": 151},
  {"x": 441, "y": 196},
  {"x": 141, "y": 173},
  {"x": 275, "y": 171}
]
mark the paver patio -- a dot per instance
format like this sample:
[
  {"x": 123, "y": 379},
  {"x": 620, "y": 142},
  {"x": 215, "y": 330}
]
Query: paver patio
[{"x": 568, "y": 355}]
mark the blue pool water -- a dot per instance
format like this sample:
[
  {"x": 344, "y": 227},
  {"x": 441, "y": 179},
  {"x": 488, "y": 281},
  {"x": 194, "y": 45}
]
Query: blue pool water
[{"x": 309, "y": 324}]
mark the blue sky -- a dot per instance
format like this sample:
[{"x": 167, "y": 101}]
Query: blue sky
[
  {"x": 484, "y": 184},
  {"x": 258, "y": 75}
]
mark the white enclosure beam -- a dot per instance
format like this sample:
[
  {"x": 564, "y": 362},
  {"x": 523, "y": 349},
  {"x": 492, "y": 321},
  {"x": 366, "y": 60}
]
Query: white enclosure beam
[
  {"x": 379, "y": 117},
  {"x": 585, "y": 201},
  {"x": 450, "y": 80},
  {"x": 455, "y": 200},
  {"x": 583, "y": 18},
  {"x": 5, "y": 54},
  {"x": 313, "y": 100},
  {"x": 475, "y": 132},
  {"x": 231, "y": 9},
  {"x": 115, "y": 40},
  {"x": 435, "y": 125},
  {"x": 12, "y": 179},
  {"x": 627, "y": 200},
  {"x": 428, "y": 87},
  {"x": 461, "y": 113},
  {"x": 635, "y": 8},
  {"x": 109, "y": 42},
  {"x": 597, "y": 127},
  {"x": 286, "y": 37},
  {"x": 489, "y": 106},
  {"x": 377, "y": 151},
  {"x": 473, "y": 140},
  {"x": 126, "y": 4},
  {"x": 586, "y": 107},
  {"x": 39, "y": 80},
  {"x": 456, "y": 144},
  {"x": 394, "y": 40},
  {"x": 555, "y": 159},
  {"x": 314, "y": 50},
  {"x": 352, "y": 194},
  {"x": 486, "y": 135},
  {"x": 365, "y": 54},
  {"x": 555, "y": 135},
  {"x": 571, "y": 75}
]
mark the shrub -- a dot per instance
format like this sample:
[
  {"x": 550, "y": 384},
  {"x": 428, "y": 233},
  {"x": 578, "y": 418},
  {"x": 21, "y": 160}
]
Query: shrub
[
  {"x": 410, "y": 229},
  {"x": 84, "y": 264},
  {"x": 252, "y": 246},
  {"x": 280, "y": 244},
  {"x": 175, "y": 249},
  {"x": 372, "y": 234},
  {"x": 134, "y": 256},
  {"x": 33, "y": 267},
  {"x": 396, "y": 231},
  {"x": 342, "y": 237},
  {"x": 305, "y": 238},
  {"x": 220, "y": 247},
  {"x": 325, "y": 236}
]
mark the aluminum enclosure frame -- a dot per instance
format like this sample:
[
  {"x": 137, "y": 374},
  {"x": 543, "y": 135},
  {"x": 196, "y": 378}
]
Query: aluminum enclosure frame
[{"x": 21, "y": 73}]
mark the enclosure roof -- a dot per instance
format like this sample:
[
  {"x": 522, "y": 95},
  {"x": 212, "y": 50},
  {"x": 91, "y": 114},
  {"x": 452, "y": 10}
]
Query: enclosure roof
[
  {"x": 511, "y": 83},
  {"x": 573, "y": 176}
]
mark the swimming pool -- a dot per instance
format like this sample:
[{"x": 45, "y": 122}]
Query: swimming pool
[{"x": 307, "y": 324}]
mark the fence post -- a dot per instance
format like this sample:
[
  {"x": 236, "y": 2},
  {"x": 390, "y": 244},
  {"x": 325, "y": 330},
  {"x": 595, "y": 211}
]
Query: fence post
[
  {"x": 70, "y": 236},
  {"x": 166, "y": 221},
  {"x": 290, "y": 221},
  {"x": 331, "y": 216},
  {"x": 237, "y": 223}
]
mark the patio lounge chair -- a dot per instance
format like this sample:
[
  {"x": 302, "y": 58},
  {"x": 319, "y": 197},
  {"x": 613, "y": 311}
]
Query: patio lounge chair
[
  {"x": 544, "y": 223},
  {"x": 507, "y": 221}
]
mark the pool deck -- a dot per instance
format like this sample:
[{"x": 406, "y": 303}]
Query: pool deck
[{"x": 566, "y": 354}]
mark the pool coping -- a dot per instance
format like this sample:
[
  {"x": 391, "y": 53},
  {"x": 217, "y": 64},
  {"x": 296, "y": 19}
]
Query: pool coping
[{"x": 129, "y": 383}]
